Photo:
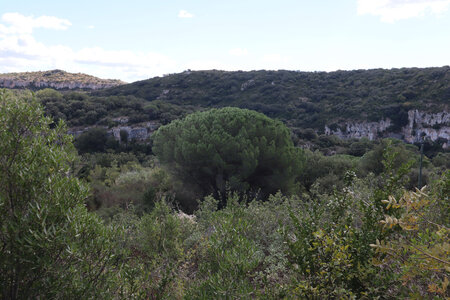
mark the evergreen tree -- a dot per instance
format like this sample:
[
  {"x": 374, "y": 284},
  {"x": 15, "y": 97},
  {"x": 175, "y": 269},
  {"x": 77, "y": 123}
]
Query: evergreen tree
[{"x": 233, "y": 148}]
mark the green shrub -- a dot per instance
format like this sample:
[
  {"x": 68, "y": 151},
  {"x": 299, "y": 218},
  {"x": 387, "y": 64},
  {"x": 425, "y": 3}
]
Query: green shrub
[
  {"x": 51, "y": 247},
  {"x": 420, "y": 253},
  {"x": 160, "y": 233},
  {"x": 229, "y": 257}
]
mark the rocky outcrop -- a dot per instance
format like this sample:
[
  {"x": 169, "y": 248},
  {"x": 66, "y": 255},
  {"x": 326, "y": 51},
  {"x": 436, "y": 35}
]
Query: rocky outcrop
[
  {"x": 121, "y": 120},
  {"x": 163, "y": 94},
  {"x": 71, "y": 85},
  {"x": 138, "y": 132},
  {"x": 430, "y": 126},
  {"x": 370, "y": 130},
  {"x": 55, "y": 79},
  {"x": 248, "y": 84},
  {"x": 421, "y": 126}
]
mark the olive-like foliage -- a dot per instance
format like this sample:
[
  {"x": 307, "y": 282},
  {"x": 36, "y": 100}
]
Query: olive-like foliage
[
  {"x": 51, "y": 247},
  {"x": 230, "y": 149}
]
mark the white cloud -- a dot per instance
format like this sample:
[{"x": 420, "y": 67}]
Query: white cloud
[
  {"x": 184, "y": 14},
  {"x": 238, "y": 52},
  {"x": 90, "y": 27},
  {"x": 393, "y": 10},
  {"x": 20, "y": 24},
  {"x": 20, "y": 51}
]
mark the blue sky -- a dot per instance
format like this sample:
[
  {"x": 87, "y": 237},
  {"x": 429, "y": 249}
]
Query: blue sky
[{"x": 134, "y": 40}]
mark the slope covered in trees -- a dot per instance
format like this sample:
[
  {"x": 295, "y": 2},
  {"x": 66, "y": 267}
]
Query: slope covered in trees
[{"x": 304, "y": 99}]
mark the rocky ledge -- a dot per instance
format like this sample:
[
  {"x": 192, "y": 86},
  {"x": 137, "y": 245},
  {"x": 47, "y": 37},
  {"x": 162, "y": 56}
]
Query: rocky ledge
[
  {"x": 137, "y": 132},
  {"x": 421, "y": 126},
  {"x": 55, "y": 79}
]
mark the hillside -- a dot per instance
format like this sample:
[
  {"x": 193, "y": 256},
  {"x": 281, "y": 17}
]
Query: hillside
[
  {"x": 310, "y": 99},
  {"x": 405, "y": 103},
  {"x": 56, "y": 79},
  {"x": 408, "y": 104}
]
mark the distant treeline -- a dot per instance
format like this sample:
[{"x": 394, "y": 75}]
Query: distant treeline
[
  {"x": 300, "y": 99},
  {"x": 304, "y": 99}
]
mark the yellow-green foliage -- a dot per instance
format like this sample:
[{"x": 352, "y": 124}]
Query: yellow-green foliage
[
  {"x": 325, "y": 264},
  {"x": 421, "y": 250}
]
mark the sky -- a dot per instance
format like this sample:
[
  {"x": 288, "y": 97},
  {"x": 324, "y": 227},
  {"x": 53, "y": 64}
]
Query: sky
[{"x": 139, "y": 39}]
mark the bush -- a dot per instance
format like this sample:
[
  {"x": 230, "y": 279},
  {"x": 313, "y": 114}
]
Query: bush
[
  {"x": 229, "y": 259},
  {"x": 240, "y": 249},
  {"x": 50, "y": 246},
  {"x": 421, "y": 252}
]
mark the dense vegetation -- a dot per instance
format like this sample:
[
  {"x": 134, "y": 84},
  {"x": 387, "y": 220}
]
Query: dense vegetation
[
  {"x": 51, "y": 247},
  {"x": 355, "y": 228},
  {"x": 230, "y": 149},
  {"x": 304, "y": 99},
  {"x": 80, "y": 109}
]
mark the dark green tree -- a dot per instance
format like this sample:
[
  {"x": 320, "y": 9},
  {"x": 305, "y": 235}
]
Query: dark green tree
[
  {"x": 230, "y": 148},
  {"x": 94, "y": 140},
  {"x": 123, "y": 136}
]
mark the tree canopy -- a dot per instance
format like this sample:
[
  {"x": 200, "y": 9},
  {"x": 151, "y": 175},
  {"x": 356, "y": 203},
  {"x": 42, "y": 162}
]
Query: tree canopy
[{"x": 232, "y": 148}]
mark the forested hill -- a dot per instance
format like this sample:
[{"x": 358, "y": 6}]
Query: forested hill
[
  {"x": 305, "y": 99},
  {"x": 56, "y": 79}
]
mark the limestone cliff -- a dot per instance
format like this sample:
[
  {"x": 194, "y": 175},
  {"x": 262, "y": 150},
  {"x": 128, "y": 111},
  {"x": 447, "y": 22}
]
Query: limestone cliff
[
  {"x": 427, "y": 125},
  {"x": 370, "y": 130},
  {"x": 138, "y": 132},
  {"x": 420, "y": 126}
]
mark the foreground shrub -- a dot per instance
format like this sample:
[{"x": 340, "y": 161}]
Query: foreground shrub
[
  {"x": 50, "y": 246},
  {"x": 421, "y": 251},
  {"x": 240, "y": 250}
]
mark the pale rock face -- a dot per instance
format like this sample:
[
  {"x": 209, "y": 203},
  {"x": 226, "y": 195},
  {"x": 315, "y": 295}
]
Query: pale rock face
[
  {"x": 421, "y": 125},
  {"x": 163, "y": 94},
  {"x": 10, "y": 84},
  {"x": 248, "y": 84},
  {"x": 370, "y": 130},
  {"x": 138, "y": 132},
  {"x": 121, "y": 120}
]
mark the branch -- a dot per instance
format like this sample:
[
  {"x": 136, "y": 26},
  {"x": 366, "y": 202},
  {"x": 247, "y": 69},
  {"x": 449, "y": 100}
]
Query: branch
[{"x": 428, "y": 255}]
